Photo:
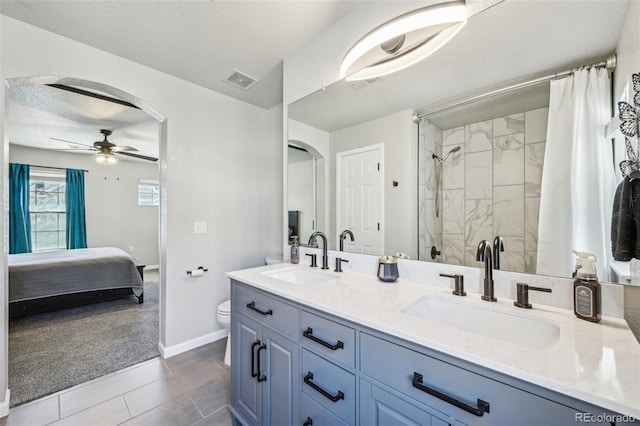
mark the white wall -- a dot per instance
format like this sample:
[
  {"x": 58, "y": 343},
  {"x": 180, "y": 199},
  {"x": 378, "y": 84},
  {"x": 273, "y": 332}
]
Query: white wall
[
  {"x": 300, "y": 196},
  {"x": 223, "y": 165},
  {"x": 317, "y": 142},
  {"x": 397, "y": 132},
  {"x": 628, "y": 50},
  {"x": 113, "y": 216}
]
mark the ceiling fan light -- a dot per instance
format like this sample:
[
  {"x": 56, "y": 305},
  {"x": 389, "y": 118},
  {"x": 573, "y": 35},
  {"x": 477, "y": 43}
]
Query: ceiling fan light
[
  {"x": 107, "y": 159},
  {"x": 450, "y": 13}
]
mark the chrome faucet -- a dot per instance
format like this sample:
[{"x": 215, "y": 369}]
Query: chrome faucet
[
  {"x": 484, "y": 255},
  {"x": 343, "y": 236},
  {"x": 498, "y": 246},
  {"x": 325, "y": 258}
]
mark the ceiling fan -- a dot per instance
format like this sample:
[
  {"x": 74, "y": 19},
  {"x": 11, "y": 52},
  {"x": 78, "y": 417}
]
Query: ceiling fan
[{"x": 106, "y": 150}]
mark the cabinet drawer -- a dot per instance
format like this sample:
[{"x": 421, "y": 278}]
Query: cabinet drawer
[
  {"x": 268, "y": 310},
  {"x": 318, "y": 415},
  {"x": 381, "y": 408},
  {"x": 329, "y": 385},
  {"x": 396, "y": 366},
  {"x": 328, "y": 338}
]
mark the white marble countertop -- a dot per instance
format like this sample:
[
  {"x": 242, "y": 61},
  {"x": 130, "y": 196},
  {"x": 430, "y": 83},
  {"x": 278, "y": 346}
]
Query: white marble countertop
[{"x": 595, "y": 362}]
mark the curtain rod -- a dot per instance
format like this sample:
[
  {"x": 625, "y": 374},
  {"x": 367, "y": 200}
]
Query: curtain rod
[
  {"x": 609, "y": 63},
  {"x": 55, "y": 168}
]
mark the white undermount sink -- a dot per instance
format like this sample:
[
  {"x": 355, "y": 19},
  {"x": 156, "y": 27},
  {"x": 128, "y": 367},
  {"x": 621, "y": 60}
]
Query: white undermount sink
[
  {"x": 536, "y": 333},
  {"x": 299, "y": 276}
]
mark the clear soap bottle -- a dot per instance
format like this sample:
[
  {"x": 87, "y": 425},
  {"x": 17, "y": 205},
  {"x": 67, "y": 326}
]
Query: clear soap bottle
[{"x": 295, "y": 250}]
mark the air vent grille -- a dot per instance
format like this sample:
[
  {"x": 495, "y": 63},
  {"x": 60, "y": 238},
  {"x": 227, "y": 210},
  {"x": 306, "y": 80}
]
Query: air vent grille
[{"x": 241, "y": 80}]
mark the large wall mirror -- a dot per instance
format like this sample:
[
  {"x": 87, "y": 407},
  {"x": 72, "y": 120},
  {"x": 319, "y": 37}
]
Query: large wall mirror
[{"x": 436, "y": 186}]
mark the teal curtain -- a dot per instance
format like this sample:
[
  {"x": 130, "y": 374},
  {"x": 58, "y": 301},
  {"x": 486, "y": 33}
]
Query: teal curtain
[
  {"x": 76, "y": 224},
  {"x": 19, "y": 220}
]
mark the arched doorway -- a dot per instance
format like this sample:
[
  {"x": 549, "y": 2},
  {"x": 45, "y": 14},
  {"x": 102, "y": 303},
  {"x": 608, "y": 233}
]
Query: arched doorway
[{"x": 100, "y": 90}]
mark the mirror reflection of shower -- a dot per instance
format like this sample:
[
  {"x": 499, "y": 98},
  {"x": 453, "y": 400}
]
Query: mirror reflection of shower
[{"x": 439, "y": 174}]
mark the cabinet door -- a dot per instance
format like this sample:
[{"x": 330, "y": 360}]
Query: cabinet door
[
  {"x": 282, "y": 382},
  {"x": 246, "y": 390},
  {"x": 381, "y": 408}
]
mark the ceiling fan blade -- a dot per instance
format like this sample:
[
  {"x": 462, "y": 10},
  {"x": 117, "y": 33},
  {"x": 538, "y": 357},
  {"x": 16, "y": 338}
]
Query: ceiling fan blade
[
  {"x": 75, "y": 143},
  {"x": 122, "y": 148},
  {"x": 143, "y": 157}
]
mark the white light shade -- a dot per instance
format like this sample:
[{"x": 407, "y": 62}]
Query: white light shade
[
  {"x": 439, "y": 22},
  {"x": 101, "y": 158}
]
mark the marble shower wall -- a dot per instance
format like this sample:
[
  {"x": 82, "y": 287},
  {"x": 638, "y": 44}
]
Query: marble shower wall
[
  {"x": 490, "y": 187},
  {"x": 429, "y": 226}
]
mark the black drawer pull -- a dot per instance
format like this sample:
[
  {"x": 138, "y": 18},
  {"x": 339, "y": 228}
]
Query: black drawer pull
[
  {"x": 334, "y": 398},
  {"x": 309, "y": 422},
  {"x": 253, "y": 360},
  {"x": 308, "y": 333},
  {"x": 252, "y": 306},
  {"x": 483, "y": 406},
  {"x": 261, "y": 377}
]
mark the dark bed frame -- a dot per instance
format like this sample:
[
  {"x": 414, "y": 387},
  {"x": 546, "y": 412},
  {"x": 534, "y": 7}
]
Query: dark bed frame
[{"x": 51, "y": 303}]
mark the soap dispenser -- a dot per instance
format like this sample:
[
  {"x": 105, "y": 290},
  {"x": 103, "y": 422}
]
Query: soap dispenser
[
  {"x": 587, "y": 297},
  {"x": 295, "y": 250}
]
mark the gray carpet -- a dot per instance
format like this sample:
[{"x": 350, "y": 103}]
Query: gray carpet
[{"x": 53, "y": 351}]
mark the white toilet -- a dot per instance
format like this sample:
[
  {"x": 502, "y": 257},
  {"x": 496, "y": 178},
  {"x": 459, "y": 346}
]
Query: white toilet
[
  {"x": 224, "y": 312},
  {"x": 224, "y": 318}
]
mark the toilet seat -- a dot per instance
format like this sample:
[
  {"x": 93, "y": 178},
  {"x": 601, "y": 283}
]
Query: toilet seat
[{"x": 225, "y": 308}]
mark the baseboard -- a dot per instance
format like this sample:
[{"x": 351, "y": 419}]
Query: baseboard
[
  {"x": 151, "y": 267},
  {"x": 4, "y": 405},
  {"x": 169, "y": 351}
]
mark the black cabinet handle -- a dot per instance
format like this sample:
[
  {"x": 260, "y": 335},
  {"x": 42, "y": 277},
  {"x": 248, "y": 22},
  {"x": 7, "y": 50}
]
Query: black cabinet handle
[
  {"x": 308, "y": 422},
  {"x": 252, "y": 306},
  {"x": 261, "y": 377},
  {"x": 253, "y": 360},
  {"x": 308, "y": 380},
  {"x": 308, "y": 333},
  {"x": 483, "y": 406}
]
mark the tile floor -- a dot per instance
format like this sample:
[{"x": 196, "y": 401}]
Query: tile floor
[{"x": 192, "y": 388}]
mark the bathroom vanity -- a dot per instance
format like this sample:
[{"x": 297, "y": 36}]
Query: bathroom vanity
[{"x": 315, "y": 347}]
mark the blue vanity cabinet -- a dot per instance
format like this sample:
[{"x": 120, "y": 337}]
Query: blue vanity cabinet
[
  {"x": 328, "y": 371},
  {"x": 265, "y": 359},
  {"x": 441, "y": 383},
  {"x": 295, "y": 365},
  {"x": 380, "y": 407}
]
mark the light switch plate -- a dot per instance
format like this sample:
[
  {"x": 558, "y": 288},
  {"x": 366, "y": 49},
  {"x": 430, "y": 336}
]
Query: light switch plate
[{"x": 199, "y": 227}]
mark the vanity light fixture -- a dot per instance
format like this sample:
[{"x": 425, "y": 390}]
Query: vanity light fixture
[{"x": 403, "y": 41}]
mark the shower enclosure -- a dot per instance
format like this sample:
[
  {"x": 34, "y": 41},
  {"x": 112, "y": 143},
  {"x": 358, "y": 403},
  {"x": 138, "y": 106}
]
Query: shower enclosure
[{"x": 480, "y": 180}]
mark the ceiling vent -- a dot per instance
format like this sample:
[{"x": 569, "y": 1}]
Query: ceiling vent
[{"x": 241, "y": 80}]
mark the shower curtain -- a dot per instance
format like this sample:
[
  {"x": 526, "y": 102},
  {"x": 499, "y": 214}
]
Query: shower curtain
[{"x": 578, "y": 181}]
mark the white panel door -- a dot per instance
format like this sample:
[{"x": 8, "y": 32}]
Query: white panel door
[{"x": 360, "y": 198}]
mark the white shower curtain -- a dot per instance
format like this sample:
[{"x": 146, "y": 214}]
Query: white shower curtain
[{"x": 578, "y": 180}]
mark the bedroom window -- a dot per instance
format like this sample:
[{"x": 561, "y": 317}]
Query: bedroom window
[
  {"x": 148, "y": 193},
  {"x": 47, "y": 209}
]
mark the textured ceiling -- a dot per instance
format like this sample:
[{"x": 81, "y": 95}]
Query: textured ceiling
[
  {"x": 46, "y": 117},
  {"x": 198, "y": 41}
]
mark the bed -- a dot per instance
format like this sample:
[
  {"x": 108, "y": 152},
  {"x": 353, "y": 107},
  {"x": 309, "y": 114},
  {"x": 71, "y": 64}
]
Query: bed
[{"x": 58, "y": 279}]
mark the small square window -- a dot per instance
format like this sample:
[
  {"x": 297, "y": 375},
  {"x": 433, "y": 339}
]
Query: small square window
[{"x": 148, "y": 193}]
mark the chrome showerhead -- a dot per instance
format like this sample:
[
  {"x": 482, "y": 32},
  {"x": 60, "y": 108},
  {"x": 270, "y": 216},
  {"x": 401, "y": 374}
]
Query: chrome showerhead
[{"x": 442, "y": 160}]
